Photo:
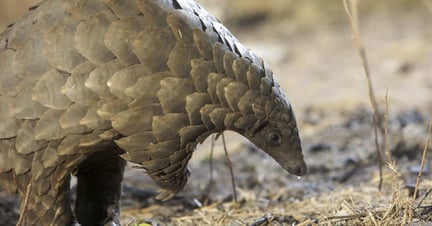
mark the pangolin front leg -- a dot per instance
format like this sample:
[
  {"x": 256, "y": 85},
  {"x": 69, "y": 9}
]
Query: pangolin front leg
[{"x": 87, "y": 84}]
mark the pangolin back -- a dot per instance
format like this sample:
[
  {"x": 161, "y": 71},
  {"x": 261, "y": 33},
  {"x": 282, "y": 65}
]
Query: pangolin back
[{"x": 149, "y": 79}]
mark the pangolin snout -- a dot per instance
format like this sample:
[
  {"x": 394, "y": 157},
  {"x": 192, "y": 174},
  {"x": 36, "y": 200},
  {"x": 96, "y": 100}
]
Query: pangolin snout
[{"x": 298, "y": 169}]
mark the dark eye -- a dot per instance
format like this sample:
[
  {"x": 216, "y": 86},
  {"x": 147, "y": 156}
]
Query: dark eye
[{"x": 274, "y": 139}]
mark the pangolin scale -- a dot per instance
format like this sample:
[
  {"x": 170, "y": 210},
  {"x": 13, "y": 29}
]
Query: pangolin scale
[{"x": 86, "y": 85}]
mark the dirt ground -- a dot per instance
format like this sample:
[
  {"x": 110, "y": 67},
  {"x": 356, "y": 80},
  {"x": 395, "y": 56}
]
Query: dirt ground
[{"x": 309, "y": 46}]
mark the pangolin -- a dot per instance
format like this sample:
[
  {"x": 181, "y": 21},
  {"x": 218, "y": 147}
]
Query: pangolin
[{"x": 87, "y": 85}]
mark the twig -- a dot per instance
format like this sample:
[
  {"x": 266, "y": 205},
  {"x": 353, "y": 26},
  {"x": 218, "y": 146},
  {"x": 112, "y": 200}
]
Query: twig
[
  {"x": 423, "y": 160},
  {"x": 24, "y": 204},
  {"x": 353, "y": 216},
  {"x": 424, "y": 197},
  {"x": 351, "y": 10},
  {"x": 210, "y": 183},
  {"x": 230, "y": 169}
]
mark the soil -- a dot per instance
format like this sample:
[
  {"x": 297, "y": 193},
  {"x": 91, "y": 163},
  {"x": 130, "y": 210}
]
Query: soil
[{"x": 310, "y": 48}]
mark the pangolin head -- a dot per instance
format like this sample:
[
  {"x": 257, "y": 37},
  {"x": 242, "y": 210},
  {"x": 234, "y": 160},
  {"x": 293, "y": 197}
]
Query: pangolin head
[{"x": 275, "y": 131}]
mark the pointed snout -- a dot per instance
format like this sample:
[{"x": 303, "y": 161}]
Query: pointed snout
[{"x": 298, "y": 169}]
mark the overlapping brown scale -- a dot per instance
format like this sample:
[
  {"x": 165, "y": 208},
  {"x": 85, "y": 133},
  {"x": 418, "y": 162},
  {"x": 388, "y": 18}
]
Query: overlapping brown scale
[
  {"x": 109, "y": 135},
  {"x": 96, "y": 79},
  {"x": 47, "y": 90},
  {"x": 136, "y": 142},
  {"x": 25, "y": 142},
  {"x": 172, "y": 168},
  {"x": 231, "y": 118},
  {"x": 182, "y": 23},
  {"x": 135, "y": 120},
  {"x": 122, "y": 8},
  {"x": 42, "y": 187},
  {"x": 91, "y": 140},
  {"x": 152, "y": 47},
  {"x": 204, "y": 42},
  {"x": 212, "y": 81},
  {"x": 6, "y": 164},
  {"x": 155, "y": 12},
  {"x": 83, "y": 9},
  {"x": 64, "y": 170},
  {"x": 245, "y": 103},
  {"x": 245, "y": 122},
  {"x": 166, "y": 127},
  {"x": 8, "y": 79},
  {"x": 219, "y": 50},
  {"x": 68, "y": 144},
  {"x": 245, "y": 53},
  {"x": 137, "y": 157},
  {"x": 89, "y": 37},
  {"x": 50, "y": 157},
  {"x": 146, "y": 87},
  {"x": 220, "y": 90},
  {"x": 173, "y": 92},
  {"x": 259, "y": 108},
  {"x": 205, "y": 115},
  {"x": 9, "y": 125},
  {"x": 180, "y": 155},
  {"x": 48, "y": 126},
  {"x": 179, "y": 59},
  {"x": 233, "y": 92},
  {"x": 125, "y": 78},
  {"x": 200, "y": 70},
  {"x": 70, "y": 120},
  {"x": 189, "y": 134},
  {"x": 28, "y": 61},
  {"x": 155, "y": 165},
  {"x": 9, "y": 176},
  {"x": 93, "y": 120},
  {"x": 111, "y": 108},
  {"x": 120, "y": 36},
  {"x": 162, "y": 150},
  {"x": 240, "y": 68},
  {"x": 228, "y": 60},
  {"x": 254, "y": 75},
  {"x": 194, "y": 102},
  {"x": 217, "y": 117},
  {"x": 225, "y": 36},
  {"x": 266, "y": 86},
  {"x": 25, "y": 108},
  {"x": 74, "y": 88},
  {"x": 38, "y": 170},
  {"x": 21, "y": 164},
  {"x": 60, "y": 49}
]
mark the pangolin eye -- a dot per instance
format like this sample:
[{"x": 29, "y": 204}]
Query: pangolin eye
[{"x": 274, "y": 139}]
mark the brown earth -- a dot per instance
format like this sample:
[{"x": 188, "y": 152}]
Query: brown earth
[{"x": 309, "y": 46}]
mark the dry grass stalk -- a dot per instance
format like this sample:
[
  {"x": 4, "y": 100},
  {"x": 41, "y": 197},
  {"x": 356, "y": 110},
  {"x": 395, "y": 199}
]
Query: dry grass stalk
[
  {"x": 423, "y": 160},
  {"x": 24, "y": 204},
  {"x": 210, "y": 183},
  {"x": 351, "y": 11},
  {"x": 230, "y": 168}
]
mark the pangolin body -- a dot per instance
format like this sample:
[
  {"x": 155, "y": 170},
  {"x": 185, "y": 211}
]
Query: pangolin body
[{"x": 88, "y": 84}]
